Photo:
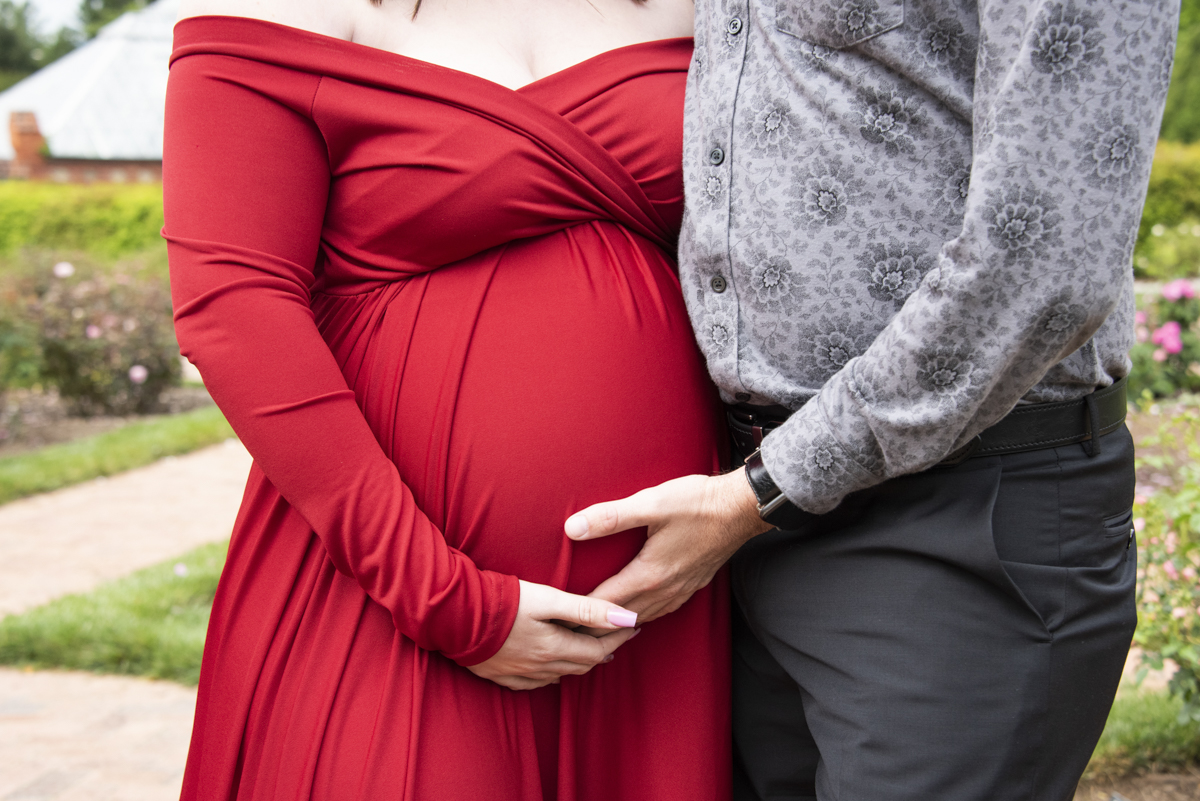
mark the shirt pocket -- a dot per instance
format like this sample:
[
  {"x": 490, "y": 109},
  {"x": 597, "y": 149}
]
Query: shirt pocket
[{"x": 838, "y": 23}]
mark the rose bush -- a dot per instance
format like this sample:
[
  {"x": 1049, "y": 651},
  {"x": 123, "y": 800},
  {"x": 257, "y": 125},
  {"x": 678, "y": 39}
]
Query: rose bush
[
  {"x": 1168, "y": 531},
  {"x": 1166, "y": 358},
  {"x": 102, "y": 337}
]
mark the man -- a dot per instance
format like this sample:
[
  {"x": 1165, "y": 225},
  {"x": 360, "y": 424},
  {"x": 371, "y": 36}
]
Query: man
[{"x": 906, "y": 256}]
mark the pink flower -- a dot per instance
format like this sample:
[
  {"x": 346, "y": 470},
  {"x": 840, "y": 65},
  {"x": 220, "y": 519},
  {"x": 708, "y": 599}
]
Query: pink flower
[
  {"x": 1170, "y": 569},
  {"x": 1139, "y": 523},
  {"x": 93, "y": 332},
  {"x": 1139, "y": 499},
  {"x": 1159, "y": 355},
  {"x": 1139, "y": 317},
  {"x": 138, "y": 374},
  {"x": 64, "y": 269},
  {"x": 1178, "y": 289},
  {"x": 1189, "y": 573},
  {"x": 1179, "y": 612},
  {"x": 1169, "y": 337},
  {"x": 1142, "y": 333}
]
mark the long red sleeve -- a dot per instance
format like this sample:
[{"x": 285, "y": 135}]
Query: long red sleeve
[{"x": 246, "y": 179}]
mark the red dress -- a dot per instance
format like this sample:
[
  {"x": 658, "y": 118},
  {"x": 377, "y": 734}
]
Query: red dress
[{"x": 442, "y": 315}]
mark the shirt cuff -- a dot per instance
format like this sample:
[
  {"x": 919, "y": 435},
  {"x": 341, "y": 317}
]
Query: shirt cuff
[{"x": 816, "y": 467}]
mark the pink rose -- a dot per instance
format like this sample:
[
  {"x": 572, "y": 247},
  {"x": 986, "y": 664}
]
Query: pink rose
[
  {"x": 1169, "y": 337},
  {"x": 1178, "y": 289}
]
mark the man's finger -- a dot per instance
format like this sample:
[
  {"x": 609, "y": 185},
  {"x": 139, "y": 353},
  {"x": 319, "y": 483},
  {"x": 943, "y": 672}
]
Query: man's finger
[{"x": 602, "y": 519}]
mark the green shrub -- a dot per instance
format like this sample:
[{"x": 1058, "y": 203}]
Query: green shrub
[
  {"x": 1166, "y": 358},
  {"x": 102, "y": 219},
  {"x": 102, "y": 336},
  {"x": 1174, "y": 194},
  {"x": 108, "y": 345},
  {"x": 1168, "y": 523}
]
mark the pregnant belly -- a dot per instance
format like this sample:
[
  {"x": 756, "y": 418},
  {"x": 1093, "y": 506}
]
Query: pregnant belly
[{"x": 515, "y": 389}]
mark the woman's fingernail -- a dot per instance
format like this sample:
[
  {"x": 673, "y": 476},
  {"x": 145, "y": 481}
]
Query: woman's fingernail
[
  {"x": 607, "y": 659},
  {"x": 636, "y": 632},
  {"x": 576, "y": 527},
  {"x": 622, "y": 617}
]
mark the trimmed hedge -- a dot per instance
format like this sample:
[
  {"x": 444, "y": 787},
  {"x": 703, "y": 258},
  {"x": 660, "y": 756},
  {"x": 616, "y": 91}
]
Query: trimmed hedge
[{"x": 101, "y": 219}]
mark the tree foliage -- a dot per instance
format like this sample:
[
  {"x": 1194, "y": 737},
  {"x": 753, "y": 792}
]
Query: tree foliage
[
  {"x": 23, "y": 50},
  {"x": 95, "y": 14}
]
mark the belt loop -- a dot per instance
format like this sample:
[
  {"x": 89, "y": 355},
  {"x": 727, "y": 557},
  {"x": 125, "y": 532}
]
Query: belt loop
[
  {"x": 758, "y": 435},
  {"x": 1092, "y": 446}
]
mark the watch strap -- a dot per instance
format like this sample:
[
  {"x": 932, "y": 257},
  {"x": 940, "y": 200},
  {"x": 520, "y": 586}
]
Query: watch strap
[{"x": 773, "y": 506}]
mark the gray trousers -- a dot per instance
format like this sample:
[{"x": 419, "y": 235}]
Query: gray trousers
[{"x": 954, "y": 635}]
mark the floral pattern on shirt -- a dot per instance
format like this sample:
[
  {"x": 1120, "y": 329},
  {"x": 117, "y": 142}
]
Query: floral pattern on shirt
[{"x": 923, "y": 214}]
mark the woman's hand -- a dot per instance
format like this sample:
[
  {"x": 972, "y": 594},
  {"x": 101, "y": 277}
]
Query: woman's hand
[{"x": 540, "y": 648}]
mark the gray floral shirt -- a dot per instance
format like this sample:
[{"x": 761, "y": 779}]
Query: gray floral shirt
[{"x": 906, "y": 216}]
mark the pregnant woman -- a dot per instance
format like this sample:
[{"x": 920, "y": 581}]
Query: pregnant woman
[{"x": 424, "y": 261}]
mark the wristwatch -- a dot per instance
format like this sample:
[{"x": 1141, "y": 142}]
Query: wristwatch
[{"x": 773, "y": 506}]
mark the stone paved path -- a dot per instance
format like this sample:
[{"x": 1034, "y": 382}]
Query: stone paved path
[
  {"x": 77, "y": 736},
  {"x": 73, "y": 539}
]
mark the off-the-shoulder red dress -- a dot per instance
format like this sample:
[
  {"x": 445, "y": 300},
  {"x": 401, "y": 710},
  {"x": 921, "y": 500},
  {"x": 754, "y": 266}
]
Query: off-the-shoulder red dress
[{"x": 442, "y": 315}]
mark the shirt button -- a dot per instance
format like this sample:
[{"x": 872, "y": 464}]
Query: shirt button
[
  {"x": 742, "y": 396},
  {"x": 735, "y": 26},
  {"x": 716, "y": 156},
  {"x": 718, "y": 283}
]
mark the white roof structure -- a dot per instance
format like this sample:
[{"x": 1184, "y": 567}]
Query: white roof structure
[{"x": 105, "y": 99}]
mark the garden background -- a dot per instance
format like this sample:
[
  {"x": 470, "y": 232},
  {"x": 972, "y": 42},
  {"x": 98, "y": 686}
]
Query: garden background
[{"x": 91, "y": 385}]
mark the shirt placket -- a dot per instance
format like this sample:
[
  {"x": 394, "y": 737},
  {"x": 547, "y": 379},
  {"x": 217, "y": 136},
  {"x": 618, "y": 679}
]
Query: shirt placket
[{"x": 717, "y": 280}]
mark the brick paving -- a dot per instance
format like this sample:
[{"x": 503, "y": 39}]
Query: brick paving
[{"x": 80, "y": 737}]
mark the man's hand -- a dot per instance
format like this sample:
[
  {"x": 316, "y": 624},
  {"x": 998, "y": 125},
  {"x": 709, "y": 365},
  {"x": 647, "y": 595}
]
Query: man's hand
[
  {"x": 539, "y": 651},
  {"x": 694, "y": 525}
]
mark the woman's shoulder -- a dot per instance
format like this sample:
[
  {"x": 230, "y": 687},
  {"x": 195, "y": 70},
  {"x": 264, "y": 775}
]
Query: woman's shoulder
[{"x": 333, "y": 18}]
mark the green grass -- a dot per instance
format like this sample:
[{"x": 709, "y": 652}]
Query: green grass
[
  {"x": 1144, "y": 734},
  {"x": 151, "y": 623},
  {"x": 137, "y": 444}
]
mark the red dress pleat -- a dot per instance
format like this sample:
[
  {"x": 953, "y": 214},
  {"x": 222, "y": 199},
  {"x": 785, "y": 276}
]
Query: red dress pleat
[{"x": 442, "y": 315}]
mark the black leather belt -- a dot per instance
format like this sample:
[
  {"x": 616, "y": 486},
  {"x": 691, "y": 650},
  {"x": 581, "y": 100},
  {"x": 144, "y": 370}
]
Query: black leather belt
[{"x": 1025, "y": 428}]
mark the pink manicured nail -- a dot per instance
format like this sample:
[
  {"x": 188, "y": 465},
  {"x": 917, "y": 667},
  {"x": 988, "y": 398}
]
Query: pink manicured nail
[
  {"x": 622, "y": 617},
  {"x": 576, "y": 527},
  {"x": 636, "y": 632}
]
